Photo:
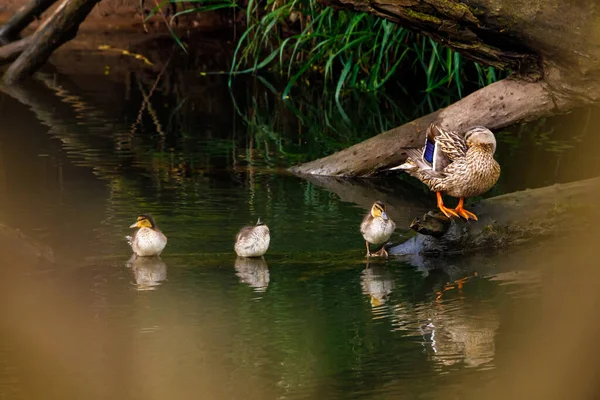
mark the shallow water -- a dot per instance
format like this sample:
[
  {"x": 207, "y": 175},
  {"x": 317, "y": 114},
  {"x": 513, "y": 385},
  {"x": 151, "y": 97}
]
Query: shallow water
[{"x": 313, "y": 319}]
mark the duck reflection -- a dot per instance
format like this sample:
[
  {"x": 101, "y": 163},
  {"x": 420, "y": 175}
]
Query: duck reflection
[
  {"x": 463, "y": 333},
  {"x": 254, "y": 272},
  {"x": 149, "y": 272},
  {"x": 456, "y": 330},
  {"x": 377, "y": 283}
]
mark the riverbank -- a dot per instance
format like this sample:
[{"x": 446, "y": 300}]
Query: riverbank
[{"x": 116, "y": 37}]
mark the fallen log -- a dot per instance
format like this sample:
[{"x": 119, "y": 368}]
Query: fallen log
[
  {"x": 22, "y": 18},
  {"x": 503, "y": 103},
  {"x": 59, "y": 28},
  {"x": 510, "y": 219}
]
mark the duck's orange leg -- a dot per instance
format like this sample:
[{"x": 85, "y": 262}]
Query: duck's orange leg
[
  {"x": 448, "y": 212},
  {"x": 464, "y": 213}
]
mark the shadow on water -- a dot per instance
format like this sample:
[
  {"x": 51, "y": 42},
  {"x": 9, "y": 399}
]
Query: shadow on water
[{"x": 79, "y": 160}]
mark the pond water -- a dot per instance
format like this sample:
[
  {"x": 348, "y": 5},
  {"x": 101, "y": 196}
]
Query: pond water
[{"x": 312, "y": 320}]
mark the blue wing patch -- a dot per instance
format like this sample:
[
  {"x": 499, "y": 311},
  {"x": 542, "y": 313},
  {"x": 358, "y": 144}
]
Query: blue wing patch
[{"x": 428, "y": 152}]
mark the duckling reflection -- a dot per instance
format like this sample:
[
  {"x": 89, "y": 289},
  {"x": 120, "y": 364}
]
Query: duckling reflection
[
  {"x": 377, "y": 283},
  {"x": 149, "y": 272},
  {"x": 254, "y": 272}
]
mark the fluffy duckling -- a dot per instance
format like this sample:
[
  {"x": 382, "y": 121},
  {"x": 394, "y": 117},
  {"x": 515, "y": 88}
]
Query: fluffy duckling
[
  {"x": 377, "y": 228},
  {"x": 148, "y": 240},
  {"x": 459, "y": 166},
  {"x": 253, "y": 241}
]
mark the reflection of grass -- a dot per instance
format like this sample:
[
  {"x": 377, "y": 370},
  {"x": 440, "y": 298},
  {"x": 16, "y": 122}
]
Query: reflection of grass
[{"x": 311, "y": 125}]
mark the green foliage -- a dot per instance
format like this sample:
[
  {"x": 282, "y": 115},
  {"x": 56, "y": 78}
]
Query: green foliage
[{"x": 348, "y": 51}]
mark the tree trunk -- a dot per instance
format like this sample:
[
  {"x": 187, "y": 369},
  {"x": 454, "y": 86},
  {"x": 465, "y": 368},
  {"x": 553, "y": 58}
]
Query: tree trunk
[
  {"x": 23, "y": 17},
  {"x": 61, "y": 27},
  {"x": 11, "y": 51},
  {"x": 553, "y": 48}
]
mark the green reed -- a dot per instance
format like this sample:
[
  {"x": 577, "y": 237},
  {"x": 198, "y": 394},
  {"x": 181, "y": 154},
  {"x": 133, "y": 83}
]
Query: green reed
[{"x": 301, "y": 39}]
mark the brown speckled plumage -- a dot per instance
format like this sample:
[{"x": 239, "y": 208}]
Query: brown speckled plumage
[
  {"x": 148, "y": 240},
  {"x": 253, "y": 241},
  {"x": 467, "y": 176},
  {"x": 468, "y": 171},
  {"x": 459, "y": 166}
]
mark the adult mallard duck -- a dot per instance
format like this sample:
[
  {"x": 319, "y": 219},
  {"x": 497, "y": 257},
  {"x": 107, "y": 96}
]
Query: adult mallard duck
[
  {"x": 253, "y": 241},
  {"x": 377, "y": 228},
  {"x": 459, "y": 166},
  {"x": 148, "y": 240}
]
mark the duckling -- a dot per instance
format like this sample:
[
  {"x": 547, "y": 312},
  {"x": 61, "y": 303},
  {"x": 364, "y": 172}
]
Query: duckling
[
  {"x": 455, "y": 165},
  {"x": 377, "y": 228},
  {"x": 253, "y": 241},
  {"x": 148, "y": 240}
]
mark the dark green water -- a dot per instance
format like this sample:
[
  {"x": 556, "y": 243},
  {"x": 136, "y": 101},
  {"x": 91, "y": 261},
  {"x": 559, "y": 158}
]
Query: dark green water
[{"x": 313, "y": 321}]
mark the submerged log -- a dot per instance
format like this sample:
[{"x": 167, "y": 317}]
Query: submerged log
[
  {"x": 402, "y": 203},
  {"x": 505, "y": 220},
  {"x": 510, "y": 219},
  {"x": 552, "y": 48},
  {"x": 59, "y": 28}
]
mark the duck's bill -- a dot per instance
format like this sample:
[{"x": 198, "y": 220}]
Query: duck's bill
[
  {"x": 384, "y": 216},
  {"x": 134, "y": 225}
]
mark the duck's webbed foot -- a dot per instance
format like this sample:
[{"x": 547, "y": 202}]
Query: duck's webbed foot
[
  {"x": 448, "y": 212},
  {"x": 463, "y": 212}
]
